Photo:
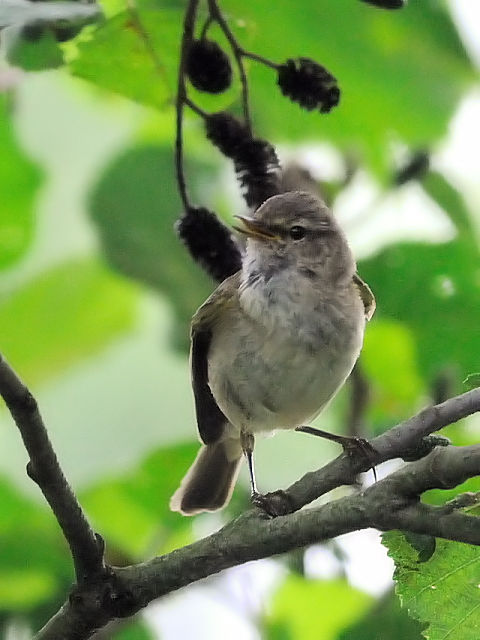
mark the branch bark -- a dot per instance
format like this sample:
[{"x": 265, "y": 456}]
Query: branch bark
[
  {"x": 392, "y": 503},
  {"x": 406, "y": 440},
  {"x": 105, "y": 593}
]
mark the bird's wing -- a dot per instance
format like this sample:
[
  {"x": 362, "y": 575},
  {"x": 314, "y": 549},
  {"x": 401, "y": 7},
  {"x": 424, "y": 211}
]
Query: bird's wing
[
  {"x": 366, "y": 296},
  {"x": 210, "y": 419}
]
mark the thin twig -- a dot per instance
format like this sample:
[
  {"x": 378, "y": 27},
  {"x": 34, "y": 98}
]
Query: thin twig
[
  {"x": 205, "y": 28},
  {"x": 261, "y": 59},
  {"x": 237, "y": 53},
  {"x": 188, "y": 31},
  {"x": 86, "y": 547},
  {"x": 195, "y": 108}
]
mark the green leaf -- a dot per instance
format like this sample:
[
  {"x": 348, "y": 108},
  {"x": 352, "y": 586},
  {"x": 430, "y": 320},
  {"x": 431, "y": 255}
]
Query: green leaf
[
  {"x": 134, "y": 54},
  {"x": 472, "y": 381},
  {"x": 434, "y": 290},
  {"x": 135, "y": 206},
  {"x": 62, "y": 316},
  {"x": 423, "y": 544},
  {"x": 19, "y": 181},
  {"x": 132, "y": 512},
  {"x": 384, "y": 88},
  {"x": 310, "y": 609},
  {"x": 444, "y": 591}
]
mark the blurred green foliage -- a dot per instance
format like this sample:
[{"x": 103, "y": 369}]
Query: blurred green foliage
[
  {"x": 35, "y": 570},
  {"x": 19, "y": 182},
  {"x": 63, "y": 315},
  {"x": 472, "y": 381},
  {"x": 441, "y": 318},
  {"x": 148, "y": 250},
  {"x": 39, "y": 55},
  {"x": 385, "y": 619},
  {"x": 293, "y": 604},
  {"x": 133, "y": 512},
  {"x": 402, "y": 75}
]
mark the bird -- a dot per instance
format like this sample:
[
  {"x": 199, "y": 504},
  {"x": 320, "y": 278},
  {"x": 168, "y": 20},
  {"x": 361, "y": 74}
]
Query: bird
[{"x": 273, "y": 343}]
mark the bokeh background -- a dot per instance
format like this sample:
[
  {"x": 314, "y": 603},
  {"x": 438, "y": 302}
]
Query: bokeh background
[{"x": 96, "y": 292}]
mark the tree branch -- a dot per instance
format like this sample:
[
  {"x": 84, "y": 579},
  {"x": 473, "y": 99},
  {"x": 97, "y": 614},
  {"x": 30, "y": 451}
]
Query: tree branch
[
  {"x": 392, "y": 503},
  {"x": 402, "y": 441},
  {"x": 106, "y": 593}
]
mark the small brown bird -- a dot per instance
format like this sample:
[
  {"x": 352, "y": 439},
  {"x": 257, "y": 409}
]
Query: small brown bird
[{"x": 273, "y": 343}]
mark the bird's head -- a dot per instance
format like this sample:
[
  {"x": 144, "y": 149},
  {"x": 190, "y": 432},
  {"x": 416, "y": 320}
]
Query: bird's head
[{"x": 297, "y": 230}]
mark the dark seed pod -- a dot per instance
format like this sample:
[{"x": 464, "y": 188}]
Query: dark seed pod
[
  {"x": 258, "y": 171},
  {"x": 255, "y": 161},
  {"x": 226, "y": 133},
  {"x": 387, "y": 4},
  {"x": 208, "y": 67},
  {"x": 209, "y": 242},
  {"x": 308, "y": 83},
  {"x": 415, "y": 168}
]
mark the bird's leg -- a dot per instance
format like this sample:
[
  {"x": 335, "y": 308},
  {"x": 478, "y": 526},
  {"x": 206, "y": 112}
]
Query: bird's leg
[
  {"x": 351, "y": 445},
  {"x": 274, "y": 504},
  {"x": 247, "y": 441}
]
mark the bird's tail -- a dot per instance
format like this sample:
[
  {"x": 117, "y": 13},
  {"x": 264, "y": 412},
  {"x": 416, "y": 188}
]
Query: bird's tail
[{"x": 209, "y": 482}]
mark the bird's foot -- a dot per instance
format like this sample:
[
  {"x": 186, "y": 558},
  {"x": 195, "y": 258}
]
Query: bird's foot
[
  {"x": 274, "y": 504},
  {"x": 353, "y": 447}
]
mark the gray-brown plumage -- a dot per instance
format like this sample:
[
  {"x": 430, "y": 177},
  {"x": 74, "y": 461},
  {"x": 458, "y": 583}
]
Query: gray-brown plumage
[{"x": 274, "y": 342}]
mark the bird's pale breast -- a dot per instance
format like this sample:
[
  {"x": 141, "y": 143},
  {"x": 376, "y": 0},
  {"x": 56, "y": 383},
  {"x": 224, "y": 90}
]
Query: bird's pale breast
[{"x": 280, "y": 355}]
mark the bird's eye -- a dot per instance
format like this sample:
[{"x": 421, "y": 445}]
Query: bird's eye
[{"x": 297, "y": 233}]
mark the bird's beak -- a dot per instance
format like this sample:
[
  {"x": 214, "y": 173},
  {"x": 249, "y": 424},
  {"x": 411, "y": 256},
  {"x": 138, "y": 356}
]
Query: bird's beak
[{"x": 254, "y": 229}]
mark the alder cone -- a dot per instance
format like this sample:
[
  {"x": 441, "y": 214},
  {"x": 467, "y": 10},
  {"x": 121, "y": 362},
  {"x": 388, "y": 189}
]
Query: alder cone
[
  {"x": 308, "y": 83},
  {"x": 208, "y": 67},
  {"x": 255, "y": 160},
  {"x": 209, "y": 242}
]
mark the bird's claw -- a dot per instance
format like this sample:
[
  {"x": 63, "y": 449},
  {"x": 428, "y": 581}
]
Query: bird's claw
[
  {"x": 360, "y": 446},
  {"x": 274, "y": 504}
]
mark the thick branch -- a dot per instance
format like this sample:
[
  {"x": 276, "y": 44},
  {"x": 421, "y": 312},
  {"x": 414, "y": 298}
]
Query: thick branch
[
  {"x": 398, "y": 442},
  {"x": 444, "y": 468},
  {"x": 43, "y": 468},
  {"x": 105, "y": 593},
  {"x": 390, "y": 504}
]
